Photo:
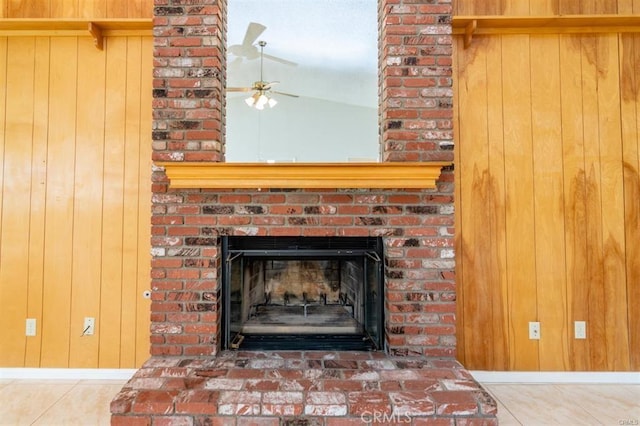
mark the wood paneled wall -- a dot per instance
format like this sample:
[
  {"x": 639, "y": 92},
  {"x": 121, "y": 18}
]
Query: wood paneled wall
[
  {"x": 547, "y": 192},
  {"x": 75, "y": 166},
  {"x": 85, "y": 9},
  {"x": 548, "y": 201}
]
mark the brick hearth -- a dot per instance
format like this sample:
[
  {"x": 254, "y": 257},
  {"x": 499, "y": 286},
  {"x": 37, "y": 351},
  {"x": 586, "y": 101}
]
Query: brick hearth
[{"x": 302, "y": 388}]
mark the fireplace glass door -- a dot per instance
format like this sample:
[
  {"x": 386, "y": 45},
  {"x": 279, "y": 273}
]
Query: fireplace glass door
[{"x": 302, "y": 293}]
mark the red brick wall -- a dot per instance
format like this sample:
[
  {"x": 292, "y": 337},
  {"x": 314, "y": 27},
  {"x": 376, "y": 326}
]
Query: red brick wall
[
  {"x": 416, "y": 125},
  {"x": 189, "y": 77},
  {"x": 416, "y": 80}
]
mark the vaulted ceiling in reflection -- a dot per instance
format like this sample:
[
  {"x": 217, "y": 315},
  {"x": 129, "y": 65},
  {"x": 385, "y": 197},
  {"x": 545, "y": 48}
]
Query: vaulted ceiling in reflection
[{"x": 322, "y": 51}]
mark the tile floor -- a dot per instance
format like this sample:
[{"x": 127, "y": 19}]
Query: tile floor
[
  {"x": 57, "y": 402},
  {"x": 566, "y": 404},
  {"x": 86, "y": 402}
]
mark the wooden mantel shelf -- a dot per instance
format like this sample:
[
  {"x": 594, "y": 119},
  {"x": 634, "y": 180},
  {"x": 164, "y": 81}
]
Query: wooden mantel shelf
[
  {"x": 96, "y": 28},
  {"x": 303, "y": 175},
  {"x": 556, "y": 24}
]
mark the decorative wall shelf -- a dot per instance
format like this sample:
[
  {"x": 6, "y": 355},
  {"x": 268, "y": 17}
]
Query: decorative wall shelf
[
  {"x": 303, "y": 175},
  {"x": 96, "y": 28},
  {"x": 561, "y": 24}
]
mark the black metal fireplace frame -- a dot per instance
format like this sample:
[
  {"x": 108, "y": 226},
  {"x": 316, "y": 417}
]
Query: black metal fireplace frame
[{"x": 368, "y": 250}]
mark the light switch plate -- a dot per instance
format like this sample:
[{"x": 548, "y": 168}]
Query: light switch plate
[
  {"x": 30, "y": 329},
  {"x": 89, "y": 326},
  {"x": 580, "y": 329},
  {"x": 534, "y": 330}
]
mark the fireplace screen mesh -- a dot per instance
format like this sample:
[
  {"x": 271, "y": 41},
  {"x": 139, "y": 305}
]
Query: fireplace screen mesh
[{"x": 308, "y": 293}]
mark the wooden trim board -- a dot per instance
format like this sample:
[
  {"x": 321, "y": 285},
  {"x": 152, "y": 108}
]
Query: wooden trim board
[
  {"x": 303, "y": 175},
  {"x": 560, "y": 24},
  {"x": 95, "y": 28}
]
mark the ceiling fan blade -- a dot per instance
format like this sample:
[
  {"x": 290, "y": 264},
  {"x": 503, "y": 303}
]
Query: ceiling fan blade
[
  {"x": 285, "y": 94},
  {"x": 236, "y": 62},
  {"x": 247, "y": 49},
  {"x": 268, "y": 85},
  {"x": 282, "y": 61},
  {"x": 239, "y": 89},
  {"x": 253, "y": 32}
]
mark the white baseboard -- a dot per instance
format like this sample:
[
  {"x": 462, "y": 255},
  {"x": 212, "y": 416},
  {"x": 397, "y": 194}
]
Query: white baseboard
[
  {"x": 481, "y": 376},
  {"x": 67, "y": 373},
  {"x": 556, "y": 377}
]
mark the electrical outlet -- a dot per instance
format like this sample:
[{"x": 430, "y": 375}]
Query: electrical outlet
[
  {"x": 534, "y": 330},
  {"x": 89, "y": 326},
  {"x": 580, "y": 329},
  {"x": 30, "y": 327}
]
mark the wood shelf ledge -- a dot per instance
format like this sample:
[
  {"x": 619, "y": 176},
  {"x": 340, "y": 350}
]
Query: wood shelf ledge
[
  {"x": 96, "y": 28},
  {"x": 303, "y": 175},
  {"x": 468, "y": 26}
]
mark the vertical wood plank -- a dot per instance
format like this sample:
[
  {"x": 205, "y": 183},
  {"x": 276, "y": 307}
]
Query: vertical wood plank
[
  {"x": 38, "y": 195},
  {"x": 595, "y": 273},
  {"x": 613, "y": 220},
  {"x": 518, "y": 7},
  {"x": 140, "y": 9},
  {"x": 143, "y": 306},
  {"x": 28, "y": 9},
  {"x": 473, "y": 7},
  {"x": 496, "y": 206},
  {"x": 481, "y": 231},
  {"x": 630, "y": 114},
  {"x": 625, "y": 7},
  {"x": 473, "y": 159},
  {"x": 118, "y": 9},
  {"x": 59, "y": 203},
  {"x": 548, "y": 201},
  {"x": 569, "y": 7},
  {"x": 3, "y": 123},
  {"x": 598, "y": 6},
  {"x": 87, "y": 215},
  {"x": 460, "y": 298},
  {"x": 90, "y": 9},
  {"x": 521, "y": 274},
  {"x": 130, "y": 201},
  {"x": 64, "y": 8},
  {"x": 14, "y": 249},
  {"x": 575, "y": 207},
  {"x": 112, "y": 213},
  {"x": 544, "y": 7}
]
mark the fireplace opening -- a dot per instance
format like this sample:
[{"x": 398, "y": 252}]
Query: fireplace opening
[{"x": 302, "y": 293}]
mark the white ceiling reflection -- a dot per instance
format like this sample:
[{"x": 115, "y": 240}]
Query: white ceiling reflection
[{"x": 333, "y": 44}]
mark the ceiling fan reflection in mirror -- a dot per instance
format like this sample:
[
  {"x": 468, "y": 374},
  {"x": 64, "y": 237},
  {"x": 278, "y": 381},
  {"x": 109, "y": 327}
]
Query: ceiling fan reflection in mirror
[
  {"x": 248, "y": 49},
  {"x": 262, "y": 89}
]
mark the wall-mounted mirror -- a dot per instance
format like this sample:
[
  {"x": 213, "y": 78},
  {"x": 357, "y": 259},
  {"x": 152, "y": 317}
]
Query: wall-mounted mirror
[{"x": 302, "y": 81}]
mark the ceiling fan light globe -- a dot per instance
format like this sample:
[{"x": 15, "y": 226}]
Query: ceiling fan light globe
[
  {"x": 250, "y": 101},
  {"x": 272, "y": 102},
  {"x": 261, "y": 102}
]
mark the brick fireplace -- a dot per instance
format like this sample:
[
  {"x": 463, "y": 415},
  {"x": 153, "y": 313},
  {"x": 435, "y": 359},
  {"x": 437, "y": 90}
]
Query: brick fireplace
[
  {"x": 416, "y": 230},
  {"x": 413, "y": 375},
  {"x": 415, "y": 224}
]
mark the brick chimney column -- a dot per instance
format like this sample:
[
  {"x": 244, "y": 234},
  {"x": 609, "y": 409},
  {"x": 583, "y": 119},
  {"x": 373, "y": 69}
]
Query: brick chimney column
[
  {"x": 416, "y": 95},
  {"x": 416, "y": 125},
  {"x": 188, "y": 125},
  {"x": 189, "y": 76}
]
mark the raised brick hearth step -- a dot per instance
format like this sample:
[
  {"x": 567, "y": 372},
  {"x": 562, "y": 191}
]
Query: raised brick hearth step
[{"x": 302, "y": 388}]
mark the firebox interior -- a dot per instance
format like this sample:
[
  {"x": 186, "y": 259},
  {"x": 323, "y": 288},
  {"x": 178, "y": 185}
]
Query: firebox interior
[{"x": 302, "y": 293}]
